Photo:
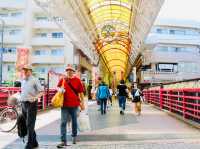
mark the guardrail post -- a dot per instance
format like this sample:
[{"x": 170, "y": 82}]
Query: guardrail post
[
  {"x": 44, "y": 101},
  {"x": 161, "y": 98},
  {"x": 184, "y": 105},
  {"x": 170, "y": 100}
]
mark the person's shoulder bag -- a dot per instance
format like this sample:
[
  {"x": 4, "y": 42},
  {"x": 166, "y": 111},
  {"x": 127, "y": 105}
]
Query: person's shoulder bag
[{"x": 58, "y": 98}]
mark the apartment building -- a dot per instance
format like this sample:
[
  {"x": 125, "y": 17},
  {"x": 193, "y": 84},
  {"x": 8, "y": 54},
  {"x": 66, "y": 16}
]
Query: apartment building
[
  {"x": 172, "y": 52},
  {"x": 28, "y": 26}
]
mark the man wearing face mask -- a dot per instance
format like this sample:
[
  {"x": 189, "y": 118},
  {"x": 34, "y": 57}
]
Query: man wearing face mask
[{"x": 31, "y": 90}]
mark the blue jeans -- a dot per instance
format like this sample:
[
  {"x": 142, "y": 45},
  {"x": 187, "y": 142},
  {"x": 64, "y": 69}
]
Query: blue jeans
[
  {"x": 103, "y": 103},
  {"x": 65, "y": 113},
  {"x": 122, "y": 102}
]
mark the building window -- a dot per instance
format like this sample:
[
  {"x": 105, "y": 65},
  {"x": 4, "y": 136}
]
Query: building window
[
  {"x": 175, "y": 49},
  {"x": 10, "y": 68},
  {"x": 3, "y": 15},
  {"x": 16, "y": 14},
  {"x": 42, "y": 18},
  {"x": 41, "y": 70},
  {"x": 43, "y": 35},
  {"x": 57, "y": 19},
  {"x": 40, "y": 52},
  {"x": 57, "y": 35},
  {"x": 57, "y": 52},
  {"x": 14, "y": 32},
  {"x": 177, "y": 32},
  {"x": 191, "y": 32},
  {"x": 10, "y": 50},
  {"x": 167, "y": 67},
  {"x": 189, "y": 67},
  {"x": 171, "y": 31},
  {"x": 161, "y": 49},
  {"x": 57, "y": 69},
  {"x": 159, "y": 30}
]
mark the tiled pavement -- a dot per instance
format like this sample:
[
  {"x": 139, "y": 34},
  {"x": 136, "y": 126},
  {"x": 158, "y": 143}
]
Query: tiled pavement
[{"x": 154, "y": 129}]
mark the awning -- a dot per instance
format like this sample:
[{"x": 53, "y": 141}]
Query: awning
[{"x": 112, "y": 19}]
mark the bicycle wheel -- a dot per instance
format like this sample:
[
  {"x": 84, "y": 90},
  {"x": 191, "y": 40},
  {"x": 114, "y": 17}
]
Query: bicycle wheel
[{"x": 8, "y": 119}]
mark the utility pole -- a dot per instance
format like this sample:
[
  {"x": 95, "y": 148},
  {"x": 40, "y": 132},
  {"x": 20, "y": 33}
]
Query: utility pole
[{"x": 1, "y": 51}]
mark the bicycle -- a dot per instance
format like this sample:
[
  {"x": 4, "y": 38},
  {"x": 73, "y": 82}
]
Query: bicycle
[{"x": 9, "y": 114}]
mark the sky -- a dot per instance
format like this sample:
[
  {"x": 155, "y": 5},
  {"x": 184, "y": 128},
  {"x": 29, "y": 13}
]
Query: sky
[{"x": 181, "y": 9}]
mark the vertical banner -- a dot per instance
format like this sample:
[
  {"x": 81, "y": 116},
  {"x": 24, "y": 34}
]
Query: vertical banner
[{"x": 22, "y": 60}]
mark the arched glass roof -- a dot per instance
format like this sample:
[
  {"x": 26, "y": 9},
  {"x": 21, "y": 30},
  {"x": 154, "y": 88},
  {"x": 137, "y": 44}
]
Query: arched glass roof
[{"x": 112, "y": 20}]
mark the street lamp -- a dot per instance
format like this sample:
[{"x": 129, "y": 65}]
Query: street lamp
[{"x": 1, "y": 51}]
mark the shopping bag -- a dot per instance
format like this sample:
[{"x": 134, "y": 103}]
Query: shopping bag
[
  {"x": 83, "y": 122},
  {"x": 58, "y": 98}
]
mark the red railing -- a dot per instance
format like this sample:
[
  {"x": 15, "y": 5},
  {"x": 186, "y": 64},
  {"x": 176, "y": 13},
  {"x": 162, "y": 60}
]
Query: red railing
[
  {"x": 43, "y": 103},
  {"x": 184, "y": 102}
]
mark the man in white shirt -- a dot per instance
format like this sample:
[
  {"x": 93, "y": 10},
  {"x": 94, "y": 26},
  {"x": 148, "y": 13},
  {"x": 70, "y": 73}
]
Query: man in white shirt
[{"x": 31, "y": 90}]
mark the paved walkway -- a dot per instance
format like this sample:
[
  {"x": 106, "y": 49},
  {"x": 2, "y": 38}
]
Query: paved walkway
[{"x": 154, "y": 129}]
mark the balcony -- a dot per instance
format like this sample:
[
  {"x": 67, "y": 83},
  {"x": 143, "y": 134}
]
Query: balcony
[
  {"x": 9, "y": 57},
  {"x": 158, "y": 77},
  {"x": 172, "y": 57},
  {"x": 45, "y": 25},
  {"x": 155, "y": 38},
  {"x": 14, "y": 21},
  {"x": 47, "y": 41},
  {"x": 11, "y": 4},
  {"x": 14, "y": 39},
  {"x": 48, "y": 59}
]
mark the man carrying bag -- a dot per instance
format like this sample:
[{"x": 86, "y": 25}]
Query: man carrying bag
[{"x": 73, "y": 98}]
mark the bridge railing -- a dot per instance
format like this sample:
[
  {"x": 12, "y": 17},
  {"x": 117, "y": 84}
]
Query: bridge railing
[
  {"x": 183, "y": 102},
  {"x": 43, "y": 103}
]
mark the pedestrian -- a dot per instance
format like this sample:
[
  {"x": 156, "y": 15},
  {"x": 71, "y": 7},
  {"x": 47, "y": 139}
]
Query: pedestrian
[
  {"x": 84, "y": 86},
  {"x": 85, "y": 92},
  {"x": 122, "y": 91},
  {"x": 72, "y": 89},
  {"x": 137, "y": 100},
  {"x": 31, "y": 90},
  {"x": 89, "y": 88},
  {"x": 111, "y": 94},
  {"x": 96, "y": 89},
  {"x": 102, "y": 95}
]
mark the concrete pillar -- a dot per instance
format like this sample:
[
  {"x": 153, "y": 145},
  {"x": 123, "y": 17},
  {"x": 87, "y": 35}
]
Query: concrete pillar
[
  {"x": 69, "y": 53},
  {"x": 28, "y": 16}
]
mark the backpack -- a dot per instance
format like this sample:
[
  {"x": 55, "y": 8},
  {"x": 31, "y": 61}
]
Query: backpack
[
  {"x": 21, "y": 126},
  {"x": 103, "y": 92},
  {"x": 135, "y": 93}
]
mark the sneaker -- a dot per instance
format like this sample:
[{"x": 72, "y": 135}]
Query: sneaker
[
  {"x": 74, "y": 140},
  {"x": 121, "y": 112},
  {"x": 62, "y": 145},
  {"x": 35, "y": 144},
  {"x": 28, "y": 146}
]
